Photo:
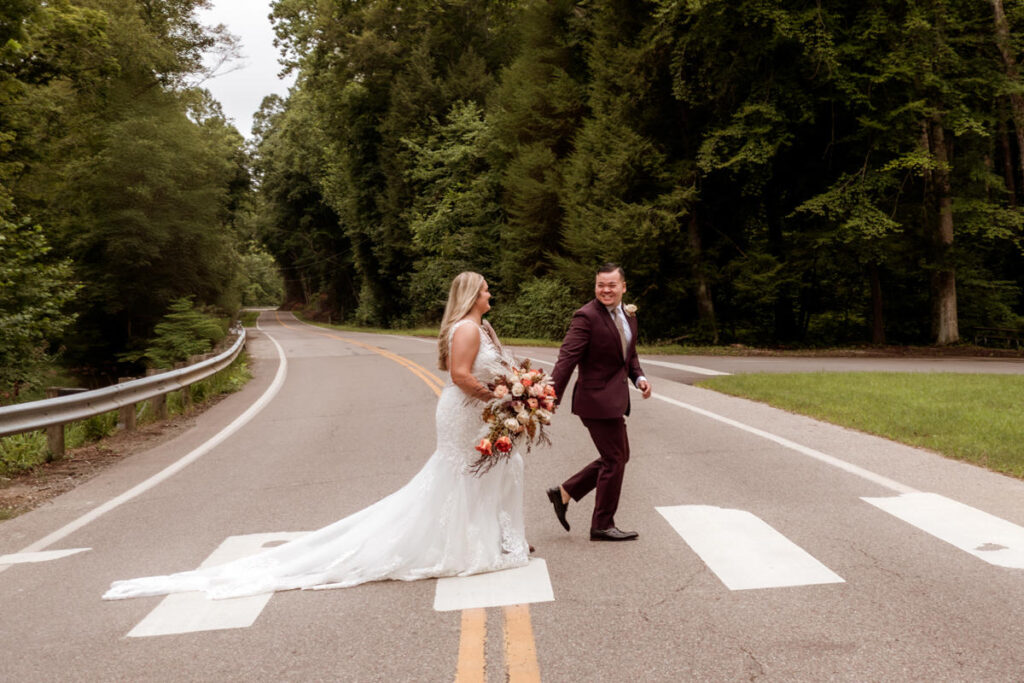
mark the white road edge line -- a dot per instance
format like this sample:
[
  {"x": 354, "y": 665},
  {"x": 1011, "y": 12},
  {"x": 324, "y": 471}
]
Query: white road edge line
[
  {"x": 792, "y": 445},
  {"x": 685, "y": 368},
  {"x": 786, "y": 443},
  {"x": 174, "y": 468},
  {"x": 20, "y": 558}
]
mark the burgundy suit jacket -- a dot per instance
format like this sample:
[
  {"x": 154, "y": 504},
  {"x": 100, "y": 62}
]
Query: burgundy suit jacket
[{"x": 592, "y": 343}]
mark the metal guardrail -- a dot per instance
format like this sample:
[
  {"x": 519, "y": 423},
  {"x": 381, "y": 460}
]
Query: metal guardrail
[
  {"x": 53, "y": 413},
  {"x": 1005, "y": 336}
]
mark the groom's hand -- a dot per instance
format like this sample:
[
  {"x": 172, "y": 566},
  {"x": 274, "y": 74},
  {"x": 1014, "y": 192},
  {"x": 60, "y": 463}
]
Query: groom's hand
[{"x": 644, "y": 386}]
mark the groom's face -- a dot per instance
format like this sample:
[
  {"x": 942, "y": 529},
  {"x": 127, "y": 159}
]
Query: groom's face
[{"x": 609, "y": 288}]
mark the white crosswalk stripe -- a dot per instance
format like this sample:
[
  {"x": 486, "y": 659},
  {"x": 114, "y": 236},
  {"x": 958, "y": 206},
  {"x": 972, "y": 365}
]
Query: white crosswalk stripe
[
  {"x": 518, "y": 586},
  {"x": 192, "y": 612},
  {"x": 985, "y": 536},
  {"x": 743, "y": 551}
]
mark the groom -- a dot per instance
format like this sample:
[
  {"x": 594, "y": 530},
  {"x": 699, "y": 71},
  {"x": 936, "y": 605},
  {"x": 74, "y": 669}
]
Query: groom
[{"x": 602, "y": 341}]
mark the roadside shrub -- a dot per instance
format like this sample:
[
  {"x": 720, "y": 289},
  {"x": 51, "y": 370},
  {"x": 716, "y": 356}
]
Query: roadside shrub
[
  {"x": 184, "y": 332},
  {"x": 543, "y": 309}
]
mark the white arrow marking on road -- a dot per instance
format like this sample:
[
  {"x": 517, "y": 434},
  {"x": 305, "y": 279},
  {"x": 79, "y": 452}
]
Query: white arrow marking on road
[
  {"x": 191, "y": 612},
  {"x": 985, "y": 536},
  {"x": 743, "y": 551},
  {"x": 517, "y": 586},
  {"x": 19, "y": 558}
]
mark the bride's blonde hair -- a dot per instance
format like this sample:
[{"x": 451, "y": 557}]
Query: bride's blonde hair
[{"x": 463, "y": 294}]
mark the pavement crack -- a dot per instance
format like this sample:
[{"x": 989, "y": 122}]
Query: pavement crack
[
  {"x": 752, "y": 668},
  {"x": 876, "y": 563}
]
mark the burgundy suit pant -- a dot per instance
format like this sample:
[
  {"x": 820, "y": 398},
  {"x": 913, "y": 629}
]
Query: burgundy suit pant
[{"x": 605, "y": 473}]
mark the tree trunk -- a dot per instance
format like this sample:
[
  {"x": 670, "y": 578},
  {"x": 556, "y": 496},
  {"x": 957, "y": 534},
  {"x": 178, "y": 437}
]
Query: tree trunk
[
  {"x": 705, "y": 305},
  {"x": 1011, "y": 185},
  {"x": 1010, "y": 68},
  {"x": 877, "y": 319},
  {"x": 294, "y": 293},
  {"x": 784, "y": 316},
  {"x": 944, "y": 315}
]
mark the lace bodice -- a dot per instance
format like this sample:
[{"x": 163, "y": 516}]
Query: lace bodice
[{"x": 458, "y": 417}]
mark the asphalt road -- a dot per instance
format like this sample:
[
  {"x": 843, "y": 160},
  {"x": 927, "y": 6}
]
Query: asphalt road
[{"x": 772, "y": 547}]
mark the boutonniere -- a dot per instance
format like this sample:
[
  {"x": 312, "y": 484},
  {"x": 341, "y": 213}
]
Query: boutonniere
[{"x": 630, "y": 309}]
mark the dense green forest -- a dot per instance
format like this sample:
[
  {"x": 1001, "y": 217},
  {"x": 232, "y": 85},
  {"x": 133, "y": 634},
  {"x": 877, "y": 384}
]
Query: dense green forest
[
  {"x": 122, "y": 187},
  {"x": 767, "y": 172}
]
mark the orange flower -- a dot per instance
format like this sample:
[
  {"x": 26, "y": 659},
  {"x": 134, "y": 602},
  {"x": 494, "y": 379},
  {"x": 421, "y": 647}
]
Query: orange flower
[
  {"x": 526, "y": 382},
  {"x": 503, "y": 444},
  {"x": 549, "y": 391},
  {"x": 485, "y": 446}
]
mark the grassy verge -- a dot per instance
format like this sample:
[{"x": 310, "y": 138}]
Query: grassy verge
[
  {"x": 21, "y": 452},
  {"x": 248, "y": 318},
  {"x": 975, "y": 418}
]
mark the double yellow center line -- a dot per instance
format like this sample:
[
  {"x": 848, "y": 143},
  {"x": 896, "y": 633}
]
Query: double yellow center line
[{"x": 520, "y": 651}]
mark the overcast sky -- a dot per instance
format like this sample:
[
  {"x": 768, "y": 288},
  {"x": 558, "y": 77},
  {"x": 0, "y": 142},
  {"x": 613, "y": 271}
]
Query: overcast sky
[{"x": 241, "y": 91}]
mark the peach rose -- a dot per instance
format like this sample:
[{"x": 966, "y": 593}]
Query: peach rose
[
  {"x": 500, "y": 391},
  {"x": 503, "y": 444},
  {"x": 527, "y": 382},
  {"x": 549, "y": 404},
  {"x": 484, "y": 446},
  {"x": 549, "y": 391}
]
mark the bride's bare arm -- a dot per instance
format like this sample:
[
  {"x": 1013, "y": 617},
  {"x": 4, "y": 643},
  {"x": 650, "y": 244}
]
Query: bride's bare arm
[{"x": 465, "y": 344}]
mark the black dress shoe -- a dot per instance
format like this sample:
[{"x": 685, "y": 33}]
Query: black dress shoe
[
  {"x": 612, "y": 534},
  {"x": 555, "y": 496}
]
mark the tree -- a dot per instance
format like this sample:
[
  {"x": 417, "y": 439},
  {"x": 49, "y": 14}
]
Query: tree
[
  {"x": 457, "y": 219},
  {"x": 35, "y": 292}
]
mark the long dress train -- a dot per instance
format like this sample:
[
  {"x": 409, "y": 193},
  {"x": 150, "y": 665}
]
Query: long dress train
[{"x": 444, "y": 522}]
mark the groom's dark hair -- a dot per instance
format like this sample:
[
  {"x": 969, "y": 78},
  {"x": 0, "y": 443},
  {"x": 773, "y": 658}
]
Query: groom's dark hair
[{"x": 611, "y": 268}]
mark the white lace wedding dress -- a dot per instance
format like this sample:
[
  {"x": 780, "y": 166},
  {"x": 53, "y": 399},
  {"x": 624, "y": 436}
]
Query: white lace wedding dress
[{"x": 445, "y": 522}]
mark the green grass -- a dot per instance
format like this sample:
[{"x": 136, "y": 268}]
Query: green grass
[
  {"x": 248, "y": 318},
  {"x": 21, "y": 452},
  {"x": 975, "y": 418}
]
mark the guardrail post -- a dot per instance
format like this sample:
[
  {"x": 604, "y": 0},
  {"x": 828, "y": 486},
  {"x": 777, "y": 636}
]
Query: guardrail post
[
  {"x": 54, "y": 434},
  {"x": 158, "y": 403},
  {"x": 159, "y": 406},
  {"x": 186, "y": 399},
  {"x": 126, "y": 413}
]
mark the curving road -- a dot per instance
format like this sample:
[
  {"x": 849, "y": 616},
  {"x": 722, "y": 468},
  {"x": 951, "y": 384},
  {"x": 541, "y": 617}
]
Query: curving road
[{"x": 773, "y": 547}]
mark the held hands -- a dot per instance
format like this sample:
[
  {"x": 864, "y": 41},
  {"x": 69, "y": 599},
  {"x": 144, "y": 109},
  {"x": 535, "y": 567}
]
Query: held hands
[{"x": 645, "y": 387}]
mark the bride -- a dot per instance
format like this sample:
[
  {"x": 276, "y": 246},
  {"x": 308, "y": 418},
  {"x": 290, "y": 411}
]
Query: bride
[{"x": 444, "y": 522}]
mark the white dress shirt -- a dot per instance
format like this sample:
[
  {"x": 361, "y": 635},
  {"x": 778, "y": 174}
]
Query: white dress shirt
[{"x": 621, "y": 314}]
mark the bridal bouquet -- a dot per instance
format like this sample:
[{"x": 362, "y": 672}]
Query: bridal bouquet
[{"x": 523, "y": 402}]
